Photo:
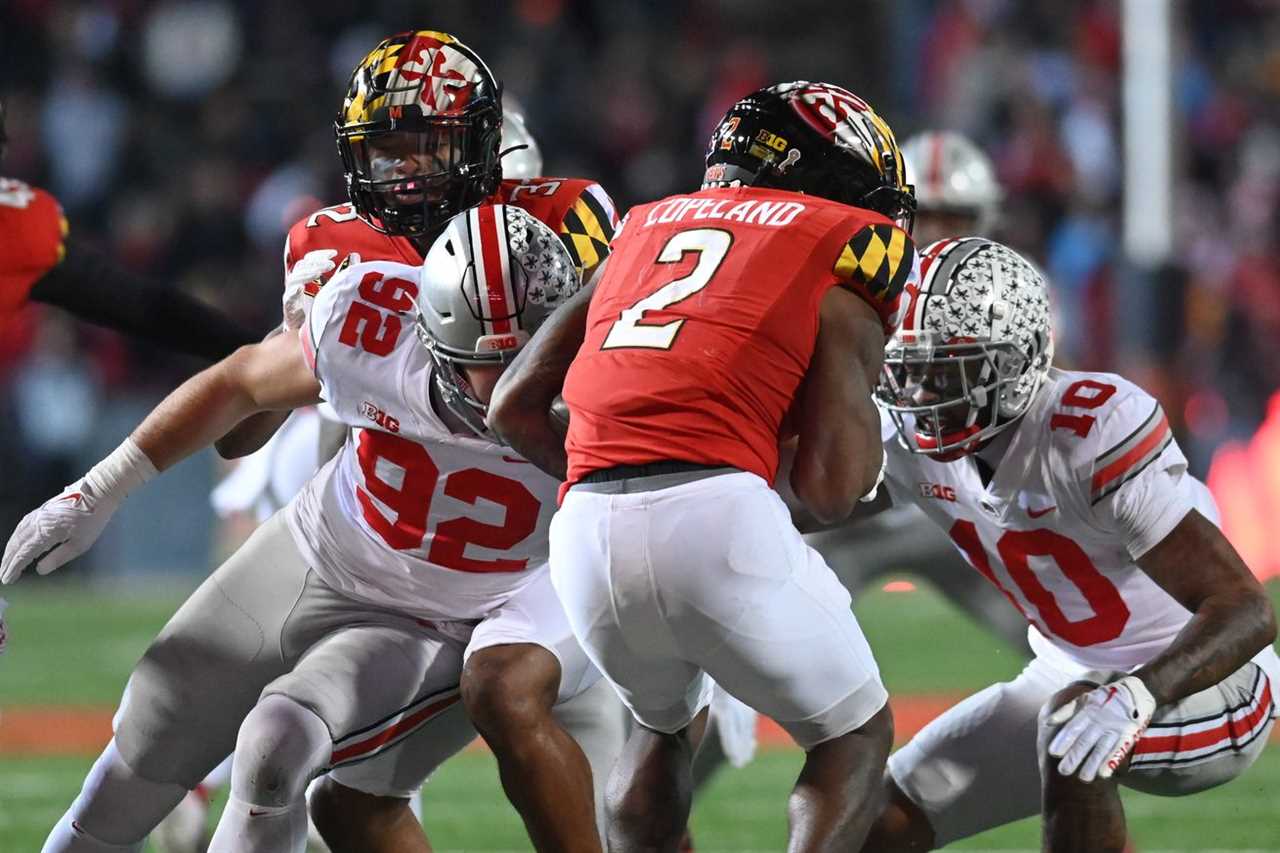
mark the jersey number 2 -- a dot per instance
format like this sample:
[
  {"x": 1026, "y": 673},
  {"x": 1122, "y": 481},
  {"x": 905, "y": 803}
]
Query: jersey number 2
[{"x": 712, "y": 245}]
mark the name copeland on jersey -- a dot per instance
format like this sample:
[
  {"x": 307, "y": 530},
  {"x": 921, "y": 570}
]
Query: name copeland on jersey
[
  {"x": 1090, "y": 481},
  {"x": 409, "y": 515}
]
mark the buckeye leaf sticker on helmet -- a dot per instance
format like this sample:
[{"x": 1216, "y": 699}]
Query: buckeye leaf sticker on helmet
[{"x": 490, "y": 279}]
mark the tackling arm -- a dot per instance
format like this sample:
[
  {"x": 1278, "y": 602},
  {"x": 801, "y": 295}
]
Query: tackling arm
[
  {"x": 270, "y": 375},
  {"x": 840, "y": 453},
  {"x": 1232, "y": 618},
  {"x": 520, "y": 409}
]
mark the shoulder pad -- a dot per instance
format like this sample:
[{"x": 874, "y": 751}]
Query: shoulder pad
[
  {"x": 1106, "y": 429},
  {"x": 877, "y": 263}
]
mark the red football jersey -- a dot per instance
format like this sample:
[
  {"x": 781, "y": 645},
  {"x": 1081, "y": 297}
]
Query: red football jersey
[
  {"x": 580, "y": 211},
  {"x": 704, "y": 323},
  {"x": 34, "y": 230}
]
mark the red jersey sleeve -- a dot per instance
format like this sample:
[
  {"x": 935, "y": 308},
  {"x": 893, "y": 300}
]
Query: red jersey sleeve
[
  {"x": 580, "y": 211},
  {"x": 877, "y": 264},
  {"x": 34, "y": 241},
  {"x": 323, "y": 244}
]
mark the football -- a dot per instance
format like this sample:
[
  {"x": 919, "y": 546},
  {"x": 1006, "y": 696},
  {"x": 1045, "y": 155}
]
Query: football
[{"x": 560, "y": 416}]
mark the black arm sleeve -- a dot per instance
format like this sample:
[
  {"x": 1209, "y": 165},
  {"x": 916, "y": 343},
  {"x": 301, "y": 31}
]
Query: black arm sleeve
[{"x": 99, "y": 292}]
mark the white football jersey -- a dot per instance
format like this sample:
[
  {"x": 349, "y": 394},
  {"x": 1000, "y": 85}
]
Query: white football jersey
[
  {"x": 1090, "y": 480},
  {"x": 409, "y": 515}
]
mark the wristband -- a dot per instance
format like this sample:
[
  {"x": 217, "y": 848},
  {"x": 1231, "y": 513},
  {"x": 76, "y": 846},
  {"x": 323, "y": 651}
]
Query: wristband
[{"x": 126, "y": 468}]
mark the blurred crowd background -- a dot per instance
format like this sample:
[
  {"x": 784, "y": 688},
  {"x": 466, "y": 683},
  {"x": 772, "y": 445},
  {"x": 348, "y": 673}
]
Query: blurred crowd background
[{"x": 183, "y": 137}]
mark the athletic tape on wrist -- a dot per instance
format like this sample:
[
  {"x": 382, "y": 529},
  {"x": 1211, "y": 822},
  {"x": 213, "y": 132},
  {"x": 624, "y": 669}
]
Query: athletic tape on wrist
[{"x": 126, "y": 468}]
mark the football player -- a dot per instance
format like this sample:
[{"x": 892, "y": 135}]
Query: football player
[
  {"x": 39, "y": 262},
  {"x": 440, "y": 131},
  {"x": 405, "y": 573},
  {"x": 724, "y": 320},
  {"x": 267, "y": 479},
  {"x": 956, "y": 194},
  {"x": 1153, "y": 664}
]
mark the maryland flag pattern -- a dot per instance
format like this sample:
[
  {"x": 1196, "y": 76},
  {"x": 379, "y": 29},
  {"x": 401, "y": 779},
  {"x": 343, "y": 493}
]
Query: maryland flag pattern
[
  {"x": 877, "y": 264},
  {"x": 427, "y": 72},
  {"x": 587, "y": 229}
]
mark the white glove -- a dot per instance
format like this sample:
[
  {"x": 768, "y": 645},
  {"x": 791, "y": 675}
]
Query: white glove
[
  {"x": 65, "y": 526},
  {"x": 1102, "y": 727},
  {"x": 310, "y": 267},
  {"x": 4, "y": 629}
]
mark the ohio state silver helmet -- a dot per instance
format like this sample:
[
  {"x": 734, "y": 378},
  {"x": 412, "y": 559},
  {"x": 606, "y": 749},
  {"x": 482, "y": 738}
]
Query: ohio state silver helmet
[
  {"x": 488, "y": 282},
  {"x": 522, "y": 156},
  {"x": 973, "y": 350},
  {"x": 952, "y": 175}
]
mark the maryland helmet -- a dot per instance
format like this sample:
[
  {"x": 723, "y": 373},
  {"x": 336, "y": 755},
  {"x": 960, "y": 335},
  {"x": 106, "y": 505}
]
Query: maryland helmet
[
  {"x": 954, "y": 179},
  {"x": 974, "y": 348},
  {"x": 814, "y": 138},
  {"x": 419, "y": 133},
  {"x": 488, "y": 282}
]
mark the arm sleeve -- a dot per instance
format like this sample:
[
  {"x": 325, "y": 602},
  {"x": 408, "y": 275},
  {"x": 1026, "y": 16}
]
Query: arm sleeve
[
  {"x": 877, "y": 263},
  {"x": 1139, "y": 487},
  {"x": 588, "y": 227},
  {"x": 99, "y": 292}
]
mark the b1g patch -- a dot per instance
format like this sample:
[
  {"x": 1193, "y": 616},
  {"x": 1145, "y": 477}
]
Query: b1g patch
[{"x": 938, "y": 491}]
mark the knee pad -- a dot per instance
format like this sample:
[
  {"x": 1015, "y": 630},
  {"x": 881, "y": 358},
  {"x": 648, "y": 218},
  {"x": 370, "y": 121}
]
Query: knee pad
[{"x": 281, "y": 747}]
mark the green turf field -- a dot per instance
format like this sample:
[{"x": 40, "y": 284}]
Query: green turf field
[{"x": 67, "y": 647}]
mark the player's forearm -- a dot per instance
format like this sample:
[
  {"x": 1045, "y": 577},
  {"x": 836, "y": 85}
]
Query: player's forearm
[
  {"x": 542, "y": 446},
  {"x": 1225, "y": 631},
  {"x": 201, "y": 410}
]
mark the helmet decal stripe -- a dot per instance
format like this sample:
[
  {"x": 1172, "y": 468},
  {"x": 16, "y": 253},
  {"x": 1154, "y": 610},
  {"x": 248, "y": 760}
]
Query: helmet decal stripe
[
  {"x": 935, "y": 163},
  {"x": 495, "y": 293}
]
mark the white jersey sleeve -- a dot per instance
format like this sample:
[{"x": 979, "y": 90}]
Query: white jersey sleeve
[
  {"x": 352, "y": 339},
  {"x": 1129, "y": 470}
]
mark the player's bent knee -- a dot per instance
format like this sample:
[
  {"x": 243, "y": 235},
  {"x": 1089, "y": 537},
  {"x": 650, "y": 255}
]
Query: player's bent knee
[
  {"x": 346, "y": 816},
  {"x": 901, "y": 826},
  {"x": 281, "y": 746},
  {"x": 509, "y": 686},
  {"x": 1045, "y": 731},
  {"x": 874, "y": 737}
]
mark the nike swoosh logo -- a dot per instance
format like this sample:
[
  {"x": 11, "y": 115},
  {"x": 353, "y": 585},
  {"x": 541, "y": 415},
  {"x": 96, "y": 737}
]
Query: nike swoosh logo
[
  {"x": 74, "y": 496},
  {"x": 46, "y": 552},
  {"x": 257, "y": 812},
  {"x": 515, "y": 461},
  {"x": 1036, "y": 513}
]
